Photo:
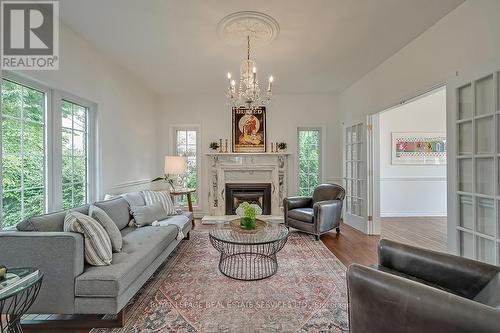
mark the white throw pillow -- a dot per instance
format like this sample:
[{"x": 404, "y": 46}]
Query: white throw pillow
[
  {"x": 163, "y": 197},
  {"x": 97, "y": 243}
]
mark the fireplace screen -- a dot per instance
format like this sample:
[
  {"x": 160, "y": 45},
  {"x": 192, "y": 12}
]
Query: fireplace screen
[{"x": 255, "y": 193}]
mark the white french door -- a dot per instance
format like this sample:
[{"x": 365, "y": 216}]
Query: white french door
[
  {"x": 474, "y": 164},
  {"x": 355, "y": 180}
]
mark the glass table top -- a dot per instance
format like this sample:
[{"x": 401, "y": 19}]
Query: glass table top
[
  {"x": 272, "y": 232},
  {"x": 17, "y": 280}
]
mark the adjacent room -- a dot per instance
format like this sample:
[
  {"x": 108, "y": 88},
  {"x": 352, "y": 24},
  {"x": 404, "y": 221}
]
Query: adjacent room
[
  {"x": 227, "y": 166},
  {"x": 412, "y": 163}
]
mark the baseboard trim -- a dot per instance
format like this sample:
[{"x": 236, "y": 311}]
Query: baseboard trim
[{"x": 413, "y": 214}]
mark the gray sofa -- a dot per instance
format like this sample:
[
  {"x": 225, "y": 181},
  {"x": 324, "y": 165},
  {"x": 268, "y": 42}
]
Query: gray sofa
[{"x": 70, "y": 286}]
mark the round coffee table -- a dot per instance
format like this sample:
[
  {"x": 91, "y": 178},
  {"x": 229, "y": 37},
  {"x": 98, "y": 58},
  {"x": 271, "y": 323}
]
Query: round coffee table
[
  {"x": 245, "y": 256},
  {"x": 16, "y": 301}
]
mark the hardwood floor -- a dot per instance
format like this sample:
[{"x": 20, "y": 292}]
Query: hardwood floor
[
  {"x": 352, "y": 246},
  {"x": 426, "y": 232}
]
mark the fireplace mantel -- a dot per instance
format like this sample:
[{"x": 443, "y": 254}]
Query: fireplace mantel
[{"x": 249, "y": 168}]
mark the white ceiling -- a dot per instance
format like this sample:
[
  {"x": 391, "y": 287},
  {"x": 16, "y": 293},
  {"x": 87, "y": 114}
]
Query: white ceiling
[{"x": 324, "y": 45}]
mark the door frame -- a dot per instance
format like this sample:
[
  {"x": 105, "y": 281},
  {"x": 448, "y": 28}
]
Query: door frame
[{"x": 374, "y": 225}]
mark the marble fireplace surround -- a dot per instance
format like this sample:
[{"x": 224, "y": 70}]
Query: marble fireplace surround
[{"x": 247, "y": 168}]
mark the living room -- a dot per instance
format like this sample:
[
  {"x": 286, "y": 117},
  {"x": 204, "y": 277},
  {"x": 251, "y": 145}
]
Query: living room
[{"x": 208, "y": 166}]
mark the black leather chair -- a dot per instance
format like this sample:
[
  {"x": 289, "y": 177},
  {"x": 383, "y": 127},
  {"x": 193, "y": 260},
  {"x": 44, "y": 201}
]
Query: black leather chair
[
  {"x": 317, "y": 214},
  {"x": 416, "y": 290}
]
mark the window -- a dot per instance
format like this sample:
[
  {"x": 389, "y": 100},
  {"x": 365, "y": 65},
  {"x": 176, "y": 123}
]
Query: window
[
  {"x": 186, "y": 145},
  {"x": 74, "y": 154},
  {"x": 46, "y": 150},
  {"x": 23, "y": 152},
  {"x": 309, "y": 159}
]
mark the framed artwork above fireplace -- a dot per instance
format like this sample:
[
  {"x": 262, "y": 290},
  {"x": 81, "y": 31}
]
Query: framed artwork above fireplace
[{"x": 249, "y": 130}]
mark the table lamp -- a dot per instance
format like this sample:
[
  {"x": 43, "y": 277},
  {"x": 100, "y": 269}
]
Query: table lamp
[{"x": 174, "y": 165}]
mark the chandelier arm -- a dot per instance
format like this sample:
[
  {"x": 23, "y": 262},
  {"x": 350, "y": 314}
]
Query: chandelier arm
[{"x": 248, "y": 47}]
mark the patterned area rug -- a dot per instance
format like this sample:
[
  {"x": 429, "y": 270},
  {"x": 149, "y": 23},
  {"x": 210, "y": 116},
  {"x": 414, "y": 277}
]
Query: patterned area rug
[{"x": 189, "y": 294}]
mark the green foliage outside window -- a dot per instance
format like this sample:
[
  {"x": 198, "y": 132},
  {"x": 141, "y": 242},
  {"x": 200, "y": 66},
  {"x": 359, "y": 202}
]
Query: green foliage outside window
[
  {"x": 186, "y": 146},
  {"x": 74, "y": 154},
  {"x": 309, "y": 151},
  {"x": 23, "y": 153}
]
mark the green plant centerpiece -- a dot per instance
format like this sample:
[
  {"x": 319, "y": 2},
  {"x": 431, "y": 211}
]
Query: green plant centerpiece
[{"x": 248, "y": 213}]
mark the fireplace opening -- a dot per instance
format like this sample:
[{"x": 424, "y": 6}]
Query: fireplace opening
[{"x": 254, "y": 193}]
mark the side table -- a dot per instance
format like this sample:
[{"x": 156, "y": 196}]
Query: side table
[
  {"x": 185, "y": 191},
  {"x": 15, "y": 302}
]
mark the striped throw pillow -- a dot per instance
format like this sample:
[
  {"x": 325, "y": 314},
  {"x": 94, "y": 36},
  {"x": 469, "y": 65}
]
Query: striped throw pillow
[
  {"x": 163, "y": 197},
  {"x": 97, "y": 242}
]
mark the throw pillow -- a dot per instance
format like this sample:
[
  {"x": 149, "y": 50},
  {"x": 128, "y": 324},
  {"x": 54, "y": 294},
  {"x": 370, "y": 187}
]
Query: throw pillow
[
  {"x": 97, "y": 242},
  {"x": 145, "y": 215},
  {"x": 107, "y": 223},
  {"x": 163, "y": 197}
]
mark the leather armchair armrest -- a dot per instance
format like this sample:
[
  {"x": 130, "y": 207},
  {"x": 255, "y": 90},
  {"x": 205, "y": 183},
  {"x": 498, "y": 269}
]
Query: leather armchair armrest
[
  {"x": 463, "y": 276},
  {"x": 327, "y": 214},
  {"x": 296, "y": 202},
  {"x": 381, "y": 302}
]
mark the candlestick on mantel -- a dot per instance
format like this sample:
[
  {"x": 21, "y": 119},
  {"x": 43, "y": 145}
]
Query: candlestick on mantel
[
  {"x": 220, "y": 146},
  {"x": 226, "y": 147}
]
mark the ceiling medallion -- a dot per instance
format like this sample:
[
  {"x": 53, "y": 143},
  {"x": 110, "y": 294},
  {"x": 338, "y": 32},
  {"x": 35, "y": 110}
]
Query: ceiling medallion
[
  {"x": 251, "y": 28},
  {"x": 235, "y": 27}
]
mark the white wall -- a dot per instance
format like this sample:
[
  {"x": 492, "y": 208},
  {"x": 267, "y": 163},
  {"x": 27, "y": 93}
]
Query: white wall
[
  {"x": 126, "y": 110},
  {"x": 462, "y": 41},
  {"x": 284, "y": 115},
  {"x": 424, "y": 186}
]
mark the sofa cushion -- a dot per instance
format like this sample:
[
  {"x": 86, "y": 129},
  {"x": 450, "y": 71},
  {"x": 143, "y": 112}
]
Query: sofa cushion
[
  {"x": 146, "y": 215},
  {"x": 302, "y": 214},
  {"x": 490, "y": 294},
  {"x": 117, "y": 209},
  {"x": 49, "y": 222},
  {"x": 163, "y": 197},
  {"x": 97, "y": 242},
  {"x": 107, "y": 223},
  {"x": 134, "y": 198},
  {"x": 140, "y": 249}
]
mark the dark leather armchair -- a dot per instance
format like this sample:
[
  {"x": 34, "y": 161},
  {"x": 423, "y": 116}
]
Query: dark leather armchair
[
  {"x": 317, "y": 214},
  {"x": 416, "y": 290}
]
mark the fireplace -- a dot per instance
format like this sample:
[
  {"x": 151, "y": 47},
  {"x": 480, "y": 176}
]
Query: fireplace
[{"x": 253, "y": 193}]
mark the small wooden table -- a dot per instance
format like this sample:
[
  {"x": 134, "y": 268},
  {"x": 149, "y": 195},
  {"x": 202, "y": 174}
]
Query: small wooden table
[{"x": 187, "y": 192}]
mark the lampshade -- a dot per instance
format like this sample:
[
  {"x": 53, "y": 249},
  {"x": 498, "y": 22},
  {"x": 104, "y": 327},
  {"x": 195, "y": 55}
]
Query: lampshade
[{"x": 175, "y": 165}]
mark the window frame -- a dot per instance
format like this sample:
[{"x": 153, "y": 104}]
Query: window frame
[
  {"x": 26, "y": 82},
  {"x": 173, "y": 151},
  {"x": 53, "y": 142},
  {"x": 320, "y": 130},
  {"x": 92, "y": 164}
]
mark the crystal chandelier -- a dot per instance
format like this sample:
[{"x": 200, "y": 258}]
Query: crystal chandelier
[{"x": 249, "y": 93}]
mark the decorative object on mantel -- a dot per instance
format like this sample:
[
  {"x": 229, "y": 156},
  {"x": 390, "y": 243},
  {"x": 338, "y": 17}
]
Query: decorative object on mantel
[
  {"x": 280, "y": 146},
  {"x": 272, "y": 147},
  {"x": 225, "y": 147},
  {"x": 174, "y": 165},
  {"x": 220, "y": 146},
  {"x": 249, "y": 130},
  {"x": 214, "y": 145}
]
